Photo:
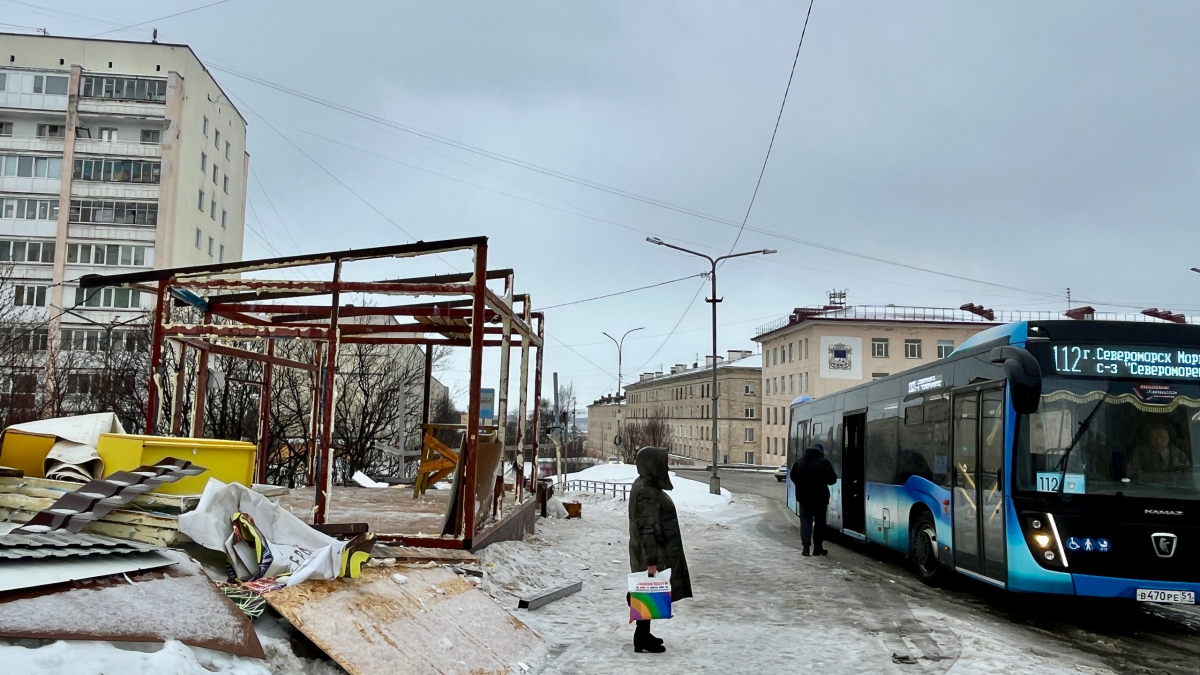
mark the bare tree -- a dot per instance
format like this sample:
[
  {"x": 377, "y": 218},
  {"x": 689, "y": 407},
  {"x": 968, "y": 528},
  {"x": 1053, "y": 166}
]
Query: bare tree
[{"x": 652, "y": 431}]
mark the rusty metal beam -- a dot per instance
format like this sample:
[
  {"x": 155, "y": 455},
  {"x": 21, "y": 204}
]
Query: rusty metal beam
[
  {"x": 395, "y": 251},
  {"x": 201, "y": 388},
  {"x": 264, "y": 416},
  {"x": 268, "y": 358},
  {"x": 156, "y": 344},
  {"x": 537, "y": 385},
  {"x": 325, "y": 457},
  {"x": 228, "y": 331},
  {"x": 522, "y": 409},
  {"x": 475, "y": 382}
]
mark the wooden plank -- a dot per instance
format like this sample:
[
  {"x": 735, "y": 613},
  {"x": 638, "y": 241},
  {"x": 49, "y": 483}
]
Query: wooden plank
[
  {"x": 134, "y": 531},
  {"x": 421, "y": 554},
  {"x": 535, "y": 601},
  {"x": 35, "y": 504},
  {"x": 435, "y": 622},
  {"x": 44, "y": 487}
]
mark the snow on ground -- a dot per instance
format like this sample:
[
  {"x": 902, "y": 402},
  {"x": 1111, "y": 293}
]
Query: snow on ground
[
  {"x": 759, "y": 608},
  {"x": 688, "y": 494}
]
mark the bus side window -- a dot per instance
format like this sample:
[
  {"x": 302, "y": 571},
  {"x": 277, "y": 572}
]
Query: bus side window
[{"x": 883, "y": 430}]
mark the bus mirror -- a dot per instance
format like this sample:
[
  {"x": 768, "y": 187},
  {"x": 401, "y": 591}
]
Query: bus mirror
[{"x": 1024, "y": 377}]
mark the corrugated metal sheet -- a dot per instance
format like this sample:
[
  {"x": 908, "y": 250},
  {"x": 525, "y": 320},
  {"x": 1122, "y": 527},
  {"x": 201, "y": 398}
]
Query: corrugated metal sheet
[{"x": 62, "y": 544}]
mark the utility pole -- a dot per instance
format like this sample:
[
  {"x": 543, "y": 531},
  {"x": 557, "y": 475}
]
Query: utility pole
[
  {"x": 714, "y": 481},
  {"x": 620, "y": 396}
]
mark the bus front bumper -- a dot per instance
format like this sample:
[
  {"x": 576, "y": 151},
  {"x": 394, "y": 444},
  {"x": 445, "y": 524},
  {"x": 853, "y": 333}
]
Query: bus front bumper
[{"x": 1116, "y": 587}]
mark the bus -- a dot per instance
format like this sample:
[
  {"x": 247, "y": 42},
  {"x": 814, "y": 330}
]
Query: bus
[{"x": 1039, "y": 457}]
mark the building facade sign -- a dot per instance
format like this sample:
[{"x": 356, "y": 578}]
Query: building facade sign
[{"x": 841, "y": 357}]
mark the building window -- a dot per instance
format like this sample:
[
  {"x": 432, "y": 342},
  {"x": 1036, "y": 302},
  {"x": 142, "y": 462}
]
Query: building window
[
  {"x": 876, "y": 376},
  {"x": 27, "y": 341},
  {"x": 117, "y": 171},
  {"x": 203, "y": 162},
  {"x": 50, "y": 84},
  {"x": 108, "y": 135},
  {"x": 749, "y": 434},
  {"x": 126, "y": 88},
  {"x": 806, "y": 348},
  {"x": 51, "y": 131},
  {"x": 206, "y": 126},
  {"x": 121, "y": 213},
  {"x": 217, "y": 140},
  {"x": 791, "y": 352},
  {"x": 750, "y": 386},
  {"x": 200, "y": 204},
  {"x": 221, "y": 256},
  {"x": 115, "y": 298},
  {"x": 912, "y": 349},
  {"x": 29, "y": 296},
  {"x": 29, "y": 209},
  {"x": 945, "y": 347},
  {"x": 151, "y": 136},
  {"x": 226, "y": 180},
  {"x": 199, "y": 237},
  {"x": 791, "y": 384},
  {"x": 115, "y": 255},
  {"x": 226, "y": 149},
  {"x": 27, "y": 251},
  {"x": 880, "y": 348},
  {"x": 749, "y": 412},
  {"x": 210, "y": 246},
  {"x": 212, "y": 209},
  {"x": 5, "y": 127},
  {"x": 24, "y": 166},
  {"x": 224, "y": 217},
  {"x": 215, "y": 170}
]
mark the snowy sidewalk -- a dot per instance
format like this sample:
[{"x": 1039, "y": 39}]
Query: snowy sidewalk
[{"x": 759, "y": 607}]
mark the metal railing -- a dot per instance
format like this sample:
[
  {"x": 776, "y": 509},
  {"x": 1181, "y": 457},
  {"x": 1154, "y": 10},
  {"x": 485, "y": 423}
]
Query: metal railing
[
  {"x": 617, "y": 489},
  {"x": 939, "y": 315}
]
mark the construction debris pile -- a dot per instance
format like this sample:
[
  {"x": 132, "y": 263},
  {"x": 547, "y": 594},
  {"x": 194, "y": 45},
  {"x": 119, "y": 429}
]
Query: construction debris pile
[{"x": 226, "y": 580}]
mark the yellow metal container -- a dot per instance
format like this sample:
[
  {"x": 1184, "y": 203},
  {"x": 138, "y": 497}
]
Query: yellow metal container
[
  {"x": 227, "y": 461},
  {"x": 26, "y": 451}
]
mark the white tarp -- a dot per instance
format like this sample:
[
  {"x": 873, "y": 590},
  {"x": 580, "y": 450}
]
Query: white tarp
[
  {"x": 74, "y": 456},
  {"x": 297, "y": 548}
]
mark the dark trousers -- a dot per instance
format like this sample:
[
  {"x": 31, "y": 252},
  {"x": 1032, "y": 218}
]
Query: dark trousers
[{"x": 812, "y": 525}]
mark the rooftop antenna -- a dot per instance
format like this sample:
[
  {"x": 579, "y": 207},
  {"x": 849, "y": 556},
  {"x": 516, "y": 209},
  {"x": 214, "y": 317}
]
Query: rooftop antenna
[
  {"x": 155, "y": 38},
  {"x": 837, "y": 298},
  {"x": 1068, "y": 298}
]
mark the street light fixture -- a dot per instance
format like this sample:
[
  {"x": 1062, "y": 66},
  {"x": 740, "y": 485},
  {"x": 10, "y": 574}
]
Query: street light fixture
[
  {"x": 620, "y": 397},
  {"x": 714, "y": 481},
  {"x": 1196, "y": 270}
]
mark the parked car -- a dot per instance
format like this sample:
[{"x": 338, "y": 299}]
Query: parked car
[
  {"x": 781, "y": 472},
  {"x": 614, "y": 460}
]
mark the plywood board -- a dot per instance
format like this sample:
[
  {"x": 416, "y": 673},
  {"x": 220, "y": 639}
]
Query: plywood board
[{"x": 433, "y": 623}]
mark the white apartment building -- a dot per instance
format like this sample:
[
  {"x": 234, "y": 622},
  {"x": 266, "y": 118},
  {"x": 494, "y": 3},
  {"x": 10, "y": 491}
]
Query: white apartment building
[
  {"x": 114, "y": 156},
  {"x": 817, "y": 351}
]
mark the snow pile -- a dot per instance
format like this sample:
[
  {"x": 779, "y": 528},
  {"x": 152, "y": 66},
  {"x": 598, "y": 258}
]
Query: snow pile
[
  {"x": 688, "y": 494},
  {"x": 100, "y": 658}
]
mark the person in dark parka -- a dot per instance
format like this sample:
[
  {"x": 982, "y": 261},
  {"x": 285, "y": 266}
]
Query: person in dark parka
[
  {"x": 655, "y": 541},
  {"x": 812, "y": 476}
]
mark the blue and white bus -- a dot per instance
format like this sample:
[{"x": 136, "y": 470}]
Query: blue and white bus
[{"x": 1040, "y": 456}]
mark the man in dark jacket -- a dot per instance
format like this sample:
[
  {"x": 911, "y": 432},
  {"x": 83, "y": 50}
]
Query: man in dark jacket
[
  {"x": 655, "y": 541},
  {"x": 812, "y": 475}
]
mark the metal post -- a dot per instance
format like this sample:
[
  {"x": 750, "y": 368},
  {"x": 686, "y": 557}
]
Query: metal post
[
  {"x": 156, "y": 340},
  {"x": 426, "y": 396},
  {"x": 537, "y": 391},
  {"x": 522, "y": 407},
  {"x": 177, "y": 394},
  {"x": 324, "y": 456},
  {"x": 475, "y": 382},
  {"x": 264, "y": 417},
  {"x": 201, "y": 388},
  {"x": 714, "y": 481},
  {"x": 620, "y": 396},
  {"x": 314, "y": 417}
]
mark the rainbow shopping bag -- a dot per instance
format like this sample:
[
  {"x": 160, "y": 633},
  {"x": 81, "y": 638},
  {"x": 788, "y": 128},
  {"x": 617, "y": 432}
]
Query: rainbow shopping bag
[{"x": 649, "y": 596}]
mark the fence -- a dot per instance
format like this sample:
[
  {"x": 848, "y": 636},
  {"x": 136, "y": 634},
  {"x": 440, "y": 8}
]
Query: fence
[{"x": 617, "y": 489}]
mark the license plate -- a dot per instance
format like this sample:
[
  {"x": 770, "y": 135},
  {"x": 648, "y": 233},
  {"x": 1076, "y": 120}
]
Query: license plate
[{"x": 1173, "y": 597}]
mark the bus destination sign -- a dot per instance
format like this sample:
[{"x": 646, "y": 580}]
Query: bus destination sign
[{"x": 1126, "y": 361}]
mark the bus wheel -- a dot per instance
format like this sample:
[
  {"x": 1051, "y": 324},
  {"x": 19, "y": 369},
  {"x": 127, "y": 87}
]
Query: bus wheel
[{"x": 924, "y": 558}]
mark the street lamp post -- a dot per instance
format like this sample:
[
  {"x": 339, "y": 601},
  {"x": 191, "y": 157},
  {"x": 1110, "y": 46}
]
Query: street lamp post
[
  {"x": 620, "y": 397},
  {"x": 714, "y": 481}
]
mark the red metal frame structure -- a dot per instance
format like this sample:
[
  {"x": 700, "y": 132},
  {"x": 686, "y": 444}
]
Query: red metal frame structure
[{"x": 250, "y": 311}]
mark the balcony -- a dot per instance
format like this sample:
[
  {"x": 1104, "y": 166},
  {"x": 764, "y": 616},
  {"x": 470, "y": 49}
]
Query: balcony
[
  {"x": 123, "y": 148},
  {"x": 12, "y": 99},
  {"x": 116, "y": 108},
  {"x": 31, "y": 144},
  {"x": 44, "y": 186},
  {"x": 96, "y": 190}
]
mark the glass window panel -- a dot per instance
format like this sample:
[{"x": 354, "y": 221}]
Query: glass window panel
[
  {"x": 33, "y": 251},
  {"x": 25, "y": 167},
  {"x": 139, "y": 255},
  {"x": 38, "y": 83},
  {"x": 56, "y": 86},
  {"x": 72, "y": 253},
  {"x": 113, "y": 254},
  {"x": 10, "y": 165},
  {"x": 126, "y": 255},
  {"x": 122, "y": 298},
  {"x": 40, "y": 299},
  {"x": 53, "y": 209},
  {"x": 18, "y": 251},
  {"x": 48, "y": 252},
  {"x": 135, "y": 298},
  {"x": 40, "y": 164},
  {"x": 107, "y": 301}
]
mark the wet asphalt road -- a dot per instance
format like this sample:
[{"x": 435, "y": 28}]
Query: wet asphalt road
[{"x": 1130, "y": 637}]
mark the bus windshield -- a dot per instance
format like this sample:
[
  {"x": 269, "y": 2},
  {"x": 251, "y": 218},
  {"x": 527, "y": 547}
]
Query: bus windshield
[{"x": 1118, "y": 437}]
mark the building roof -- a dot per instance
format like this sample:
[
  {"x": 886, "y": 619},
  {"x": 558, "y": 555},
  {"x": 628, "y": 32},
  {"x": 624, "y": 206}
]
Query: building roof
[{"x": 752, "y": 362}]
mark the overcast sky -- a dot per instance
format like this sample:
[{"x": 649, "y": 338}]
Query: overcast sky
[{"x": 1031, "y": 145}]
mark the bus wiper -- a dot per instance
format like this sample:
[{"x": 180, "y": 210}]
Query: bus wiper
[{"x": 1083, "y": 426}]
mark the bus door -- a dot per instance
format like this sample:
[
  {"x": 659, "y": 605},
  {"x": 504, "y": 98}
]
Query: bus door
[
  {"x": 854, "y": 515},
  {"x": 978, "y": 496}
]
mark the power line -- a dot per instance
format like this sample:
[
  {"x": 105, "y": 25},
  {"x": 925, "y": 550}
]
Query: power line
[
  {"x": 169, "y": 16},
  {"x": 632, "y": 290},
  {"x": 778, "y": 117}
]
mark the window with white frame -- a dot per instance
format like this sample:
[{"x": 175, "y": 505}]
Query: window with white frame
[
  {"x": 114, "y": 298},
  {"x": 945, "y": 348},
  {"x": 26, "y": 251},
  {"x": 5, "y": 127},
  {"x": 199, "y": 237},
  {"x": 206, "y": 126},
  {"x": 211, "y": 245},
  {"x": 791, "y": 351},
  {"x": 212, "y": 210},
  {"x": 224, "y": 217},
  {"x": 750, "y": 386},
  {"x": 203, "y": 162},
  {"x": 200, "y": 204},
  {"x": 749, "y": 412},
  {"x": 226, "y": 180},
  {"x": 912, "y": 349},
  {"x": 217, "y": 140},
  {"x": 29, "y": 209},
  {"x": 151, "y": 137},
  {"x": 226, "y": 149},
  {"x": 28, "y": 166},
  {"x": 749, "y": 434},
  {"x": 122, "y": 213},
  {"x": 29, "y": 296},
  {"x": 880, "y": 348},
  {"x": 791, "y": 384},
  {"x": 221, "y": 257},
  {"x": 117, "y": 171},
  {"x": 216, "y": 170},
  {"x": 112, "y": 255},
  {"x": 51, "y": 131}
]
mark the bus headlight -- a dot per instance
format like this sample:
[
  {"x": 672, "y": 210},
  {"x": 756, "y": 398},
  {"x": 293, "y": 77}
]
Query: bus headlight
[{"x": 1042, "y": 535}]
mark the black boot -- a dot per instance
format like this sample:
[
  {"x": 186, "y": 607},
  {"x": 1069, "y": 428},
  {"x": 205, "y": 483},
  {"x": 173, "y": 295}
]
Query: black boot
[
  {"x": 820, "y": 550},
  {"x": 804, "y": 552},
  {"x": 643, "y": 641}
]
